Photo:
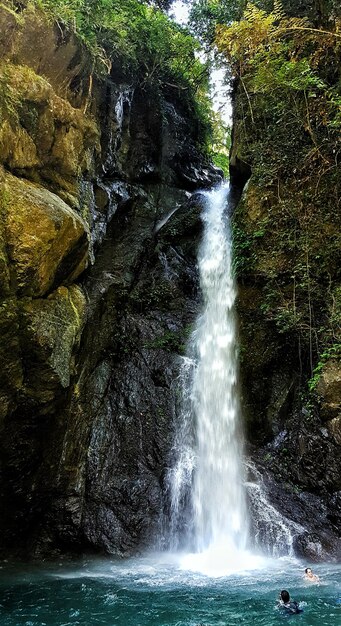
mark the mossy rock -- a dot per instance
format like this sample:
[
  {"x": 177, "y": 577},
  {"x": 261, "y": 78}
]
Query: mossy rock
[
  {"x": 30, "y": 37},
  {"x": 4, "y": 269},
  {"x": 52, "y": 329},
  {"x": 334, "y": 427},
  {"x": 41, "y": 134},
  {"x": 329, "y": 390},
  {"x": 46, "y": 240}
]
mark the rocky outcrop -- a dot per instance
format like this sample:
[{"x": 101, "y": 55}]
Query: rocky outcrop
[
  {"x": 98, "y": 290},
  {"x": 287, "y": 259},
  {"x": 286, "y": 519},
  {"x": 329, "y": 390},
  {"x": 44, "y": 237}
]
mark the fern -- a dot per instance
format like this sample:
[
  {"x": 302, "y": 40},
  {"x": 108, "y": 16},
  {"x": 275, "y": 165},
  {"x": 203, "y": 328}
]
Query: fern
[
  {"x": 278, "y": 12},
  {"x": 253, "y": 14},
  {"x": 296, "y": 23}
]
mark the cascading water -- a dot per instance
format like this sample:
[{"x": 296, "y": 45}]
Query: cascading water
[
  {"x": 273, "y": 533},
  {"x": 213, "y": 453},
  {"x": 208, "y": 512},
  {"x": 218, "y": 496}
]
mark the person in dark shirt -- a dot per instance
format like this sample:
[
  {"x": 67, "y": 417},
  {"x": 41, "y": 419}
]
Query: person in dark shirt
[{"x": 287, "y": 605}]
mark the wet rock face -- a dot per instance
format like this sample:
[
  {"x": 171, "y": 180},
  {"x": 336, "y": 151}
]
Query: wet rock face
[
  {"x": 98, "y": 292},
  {"x": 286, "y": 518},
  {"x": 142, "y": 296}
]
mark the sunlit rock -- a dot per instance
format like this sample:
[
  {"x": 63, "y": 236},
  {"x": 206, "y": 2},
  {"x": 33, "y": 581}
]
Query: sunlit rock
[
  {"x": 46, "y": 239},
  {"x": 329, "y": 390}
]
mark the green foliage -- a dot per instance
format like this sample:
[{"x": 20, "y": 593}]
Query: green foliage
[
  {"x": 242, "y": 250},
  {"x": 221, "y": 160},
  {"x": 245, "y": 243},
  {"x": 220, "y": 142},
  {"x": 206, "y": 14},
  {"x": 334, "y": 352},
  {"x": 280, "y": 57},
  {"x": 279, "y": 73},
  {"x": 286, "y": 231},
  {"x": 141, "y": 36}
]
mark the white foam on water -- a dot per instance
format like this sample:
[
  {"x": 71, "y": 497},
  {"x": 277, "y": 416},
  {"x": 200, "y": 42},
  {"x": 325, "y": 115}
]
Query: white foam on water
[
  {"x": 184, "y": 570},
  {"x": 223, "y": 560}
]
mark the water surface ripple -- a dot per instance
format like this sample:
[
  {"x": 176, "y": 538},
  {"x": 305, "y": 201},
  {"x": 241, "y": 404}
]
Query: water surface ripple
[{"x": 154, "y": 591}]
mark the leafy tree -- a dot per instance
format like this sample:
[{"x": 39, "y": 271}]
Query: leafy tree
[
  {"x": 138, "y": 34},
  {"x": 206, "y": 14},
  {"x": 272, "y": 53}
]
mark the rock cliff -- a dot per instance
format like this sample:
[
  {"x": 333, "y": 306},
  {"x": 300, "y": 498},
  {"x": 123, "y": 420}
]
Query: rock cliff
[
  {"x": 98, "y": 290},
  {"x": 287, "y": 256}
]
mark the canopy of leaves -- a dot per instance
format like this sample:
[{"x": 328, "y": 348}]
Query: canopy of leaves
[
  {"x": 135, "y": 32},
  {"x": 206, "y": 14},
  {"x": 280, "y": 57}
]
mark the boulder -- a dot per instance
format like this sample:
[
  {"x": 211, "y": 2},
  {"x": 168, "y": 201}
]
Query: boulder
[
  {"x": 329, "y": 390},
  {"x": 46, "y": 240}
]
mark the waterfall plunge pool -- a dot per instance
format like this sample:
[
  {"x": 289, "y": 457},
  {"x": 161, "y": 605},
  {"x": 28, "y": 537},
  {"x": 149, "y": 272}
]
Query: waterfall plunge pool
[{"x": 157, "y": 591}]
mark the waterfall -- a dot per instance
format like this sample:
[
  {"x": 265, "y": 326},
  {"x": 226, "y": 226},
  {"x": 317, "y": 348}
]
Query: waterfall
[
  {"x": 207, "y": 486},
  {"x": 208, "y": 442},
  {"x": 218, "y": 496}
]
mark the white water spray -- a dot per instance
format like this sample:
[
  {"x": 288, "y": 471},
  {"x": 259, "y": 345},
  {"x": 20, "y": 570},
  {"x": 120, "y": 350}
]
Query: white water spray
[{"x": 273, "y": 533}]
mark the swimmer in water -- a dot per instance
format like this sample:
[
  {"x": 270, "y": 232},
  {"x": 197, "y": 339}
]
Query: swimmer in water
[
  {"x": 287, "y": 605},
  {"x": 308, "y": 575}
]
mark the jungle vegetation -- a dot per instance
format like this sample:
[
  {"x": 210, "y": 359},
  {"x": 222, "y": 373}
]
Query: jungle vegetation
[{"x": 284, "y": 61}]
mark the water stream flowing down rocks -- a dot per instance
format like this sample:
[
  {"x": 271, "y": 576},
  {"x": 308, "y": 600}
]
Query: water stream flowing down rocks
[{"x": 218, "y": 497}]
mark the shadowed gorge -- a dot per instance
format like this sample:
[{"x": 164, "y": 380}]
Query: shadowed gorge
[{"x": 106, "y": 143}]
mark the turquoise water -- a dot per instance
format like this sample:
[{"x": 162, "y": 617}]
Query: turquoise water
[{"x": 155, "y": 591}]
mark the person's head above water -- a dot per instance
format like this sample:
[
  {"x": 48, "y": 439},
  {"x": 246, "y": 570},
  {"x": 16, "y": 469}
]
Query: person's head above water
[
  {"x": 284, "y": 595},
  {"x": 287, "y": 605},
  {"x": 309, "y": 574}
]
